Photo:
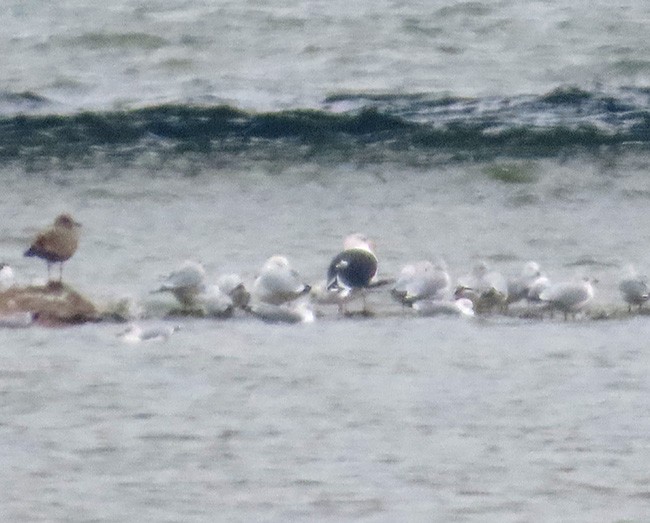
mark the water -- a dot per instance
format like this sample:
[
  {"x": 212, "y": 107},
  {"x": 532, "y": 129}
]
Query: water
[
  {"x": 230, "y": 132},
  {"x": 292, "y": 54},
  {"x": 425, "y": 418}
]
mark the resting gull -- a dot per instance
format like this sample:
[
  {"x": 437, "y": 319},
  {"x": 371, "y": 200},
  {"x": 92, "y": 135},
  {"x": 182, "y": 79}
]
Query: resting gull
[
  {"x": 134, "y": 333},
  {"x": 321, "y": 295},
  {"x": 214, "y": 302},
  {"x": 233, "y": 286},
  {"x": 185, "y": 283},
  {"x": 278, "y": 283},
  {"x": 536, "y": 288},
  {"x": 421, "y": 281},
  {"x": 486, "y": 288},
  {"x": 519, "y": 286}
]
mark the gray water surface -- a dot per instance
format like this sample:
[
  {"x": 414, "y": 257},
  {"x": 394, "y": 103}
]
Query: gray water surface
[
  {"x": 382, "y": 419},
  {"x": 425, "y": 420},
  {"x": 88, "y": 54}
]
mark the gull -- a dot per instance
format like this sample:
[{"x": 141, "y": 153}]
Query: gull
[
  {"x": 634, "y": 288},
  {"x": 519, "y": 286},
  {"x": 57, "y": 243},
  {"x": 214, "y": 302},
  {"x": 458, "y": 307},
  {"x": 135, "y": 333},
  {"x": 486, "y": 288},
  {"x": 233, "y": 286},
  {"x": 185, "y": 283},
  {"x": 321, "y": 295},
  {"x": 278, "y": 283},
  {"x": 6, "y": 277},
  {"x": 569, "y": 297},
  {"x": 536, "y": 288},
  {"x": 421, "y": 281},
  {"x": 298, "y": 311},
  {"x": 354, "y": 268}
]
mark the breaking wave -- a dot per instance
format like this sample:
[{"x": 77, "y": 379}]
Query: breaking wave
[{"x": 346, "y": 125}]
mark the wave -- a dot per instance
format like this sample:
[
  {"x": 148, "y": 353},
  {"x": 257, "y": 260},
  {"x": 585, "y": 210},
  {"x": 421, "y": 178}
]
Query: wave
[{"x": 344, "y": 126}]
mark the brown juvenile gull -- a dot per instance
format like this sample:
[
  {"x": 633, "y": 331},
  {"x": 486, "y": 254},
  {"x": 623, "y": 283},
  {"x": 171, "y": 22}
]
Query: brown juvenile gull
[{"x": 57, "y": 243}]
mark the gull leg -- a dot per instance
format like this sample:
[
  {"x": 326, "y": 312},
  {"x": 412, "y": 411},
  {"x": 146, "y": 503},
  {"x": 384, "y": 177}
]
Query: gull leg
[{"x": 365, "y": 302}]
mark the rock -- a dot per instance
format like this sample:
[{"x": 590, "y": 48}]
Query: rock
[{"x": 53, "y": 304}]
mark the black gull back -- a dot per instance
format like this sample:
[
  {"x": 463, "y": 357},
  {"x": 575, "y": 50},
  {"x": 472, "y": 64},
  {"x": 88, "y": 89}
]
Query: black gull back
[{"x": 353, "y": 268}]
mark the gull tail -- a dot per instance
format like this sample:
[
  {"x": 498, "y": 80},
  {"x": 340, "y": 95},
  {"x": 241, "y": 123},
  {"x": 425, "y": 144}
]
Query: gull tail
[{"x": 334, "y": 284}]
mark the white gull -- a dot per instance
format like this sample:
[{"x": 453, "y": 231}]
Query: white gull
[
  {"x": 185, "y": 283},
  {"x": 519, "y": 286},
  {"x": 278, "y": 282},
  {"x": 536, "y": 288},
  {"x": 422, "y": 281},
  {"x": 634, "y": 288},
  {"x": 135, "y": 333},
  {"x": 214, "y": 302},
  {"x": 486, "y": 288},
  {"x": 233, "y": 286},
  {"x": 570, "y": 297}
]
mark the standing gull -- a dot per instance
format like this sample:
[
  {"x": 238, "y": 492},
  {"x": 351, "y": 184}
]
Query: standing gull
[
  {"x": 634, "y": 288},
  {"x": 57, "y": 243},
  {"x": 569, "y": 297},
  {"x": 355, "y": 268}
]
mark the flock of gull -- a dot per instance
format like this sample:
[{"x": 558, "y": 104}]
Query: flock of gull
[{"x": 279, "y": 294}]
